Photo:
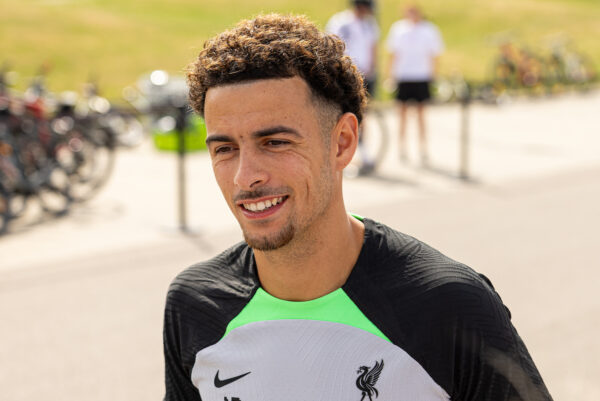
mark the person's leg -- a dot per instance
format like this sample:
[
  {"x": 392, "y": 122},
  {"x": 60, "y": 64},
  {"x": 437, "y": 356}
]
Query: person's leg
[
  {"x": 402, "y": 113},
  {"x": 367, "y": 161},
  {"x": 422, "y": 132},
  {"x": 402, "y": 97},
  {"x": 423, "y": 95}
]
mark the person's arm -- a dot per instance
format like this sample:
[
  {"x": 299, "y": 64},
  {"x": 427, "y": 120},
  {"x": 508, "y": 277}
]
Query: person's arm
[
  {"x": 389, "y": 82},
  {"x": 178, "y": 384},
  {"x": 437, "y": 50}
]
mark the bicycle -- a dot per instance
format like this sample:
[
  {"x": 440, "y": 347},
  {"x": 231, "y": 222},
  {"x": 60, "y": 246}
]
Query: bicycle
[
  {"x": 516, "y": 69},
  {"x": 565, "y": 66},
  {"x": 86, "y": 148},
  {"x": 53, "y": 155},
  {"x": 35, "y": 151},
  {"x": 30, "y": 167},
  {"x": 124, "y": 122}
]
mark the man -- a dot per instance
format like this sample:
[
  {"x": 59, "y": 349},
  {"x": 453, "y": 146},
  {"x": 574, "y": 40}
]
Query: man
[
  {"x": 318, "y": 304},
  {"x": 415, "y": 45},
  {"x": 359, "y": 30}
]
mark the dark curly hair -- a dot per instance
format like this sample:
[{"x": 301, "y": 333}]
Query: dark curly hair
[{"x": 278, "y": 46}]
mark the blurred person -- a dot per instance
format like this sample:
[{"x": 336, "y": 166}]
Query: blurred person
[
  {"x": 359, "y": 30},
  {"x": 317, "y": 303},
  {"x": 415, "y": 45}
]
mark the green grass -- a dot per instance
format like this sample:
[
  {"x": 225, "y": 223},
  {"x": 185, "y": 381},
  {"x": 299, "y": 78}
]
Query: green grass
[{"x": 116, "y": 41}]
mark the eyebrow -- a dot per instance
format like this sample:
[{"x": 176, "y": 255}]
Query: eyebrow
[
  {"x": 217, "y": 138},
  {"x": 278, "y": 129}
]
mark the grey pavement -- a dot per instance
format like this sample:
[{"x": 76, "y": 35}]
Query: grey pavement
[{"x": 81, "y": 297}]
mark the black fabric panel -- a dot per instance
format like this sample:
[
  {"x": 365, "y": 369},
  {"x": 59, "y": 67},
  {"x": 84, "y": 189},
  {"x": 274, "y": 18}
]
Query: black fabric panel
[
  {"x": 201, "y": 302},
  {"x": 445, "y": 315}
]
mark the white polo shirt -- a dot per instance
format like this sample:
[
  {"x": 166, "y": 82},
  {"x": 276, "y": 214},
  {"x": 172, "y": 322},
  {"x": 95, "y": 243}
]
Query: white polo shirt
[{"x": 414, "y": 47}]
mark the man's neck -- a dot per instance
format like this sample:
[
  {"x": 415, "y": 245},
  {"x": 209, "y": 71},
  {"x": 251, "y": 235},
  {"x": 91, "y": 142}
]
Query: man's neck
[{"x": 308, "y": 268}]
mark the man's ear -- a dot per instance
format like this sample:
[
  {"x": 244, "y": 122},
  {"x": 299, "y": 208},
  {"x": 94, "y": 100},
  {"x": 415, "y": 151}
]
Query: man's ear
[{"x": 345, "y": 140}]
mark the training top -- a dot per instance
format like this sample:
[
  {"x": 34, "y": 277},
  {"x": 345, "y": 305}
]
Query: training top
[
  {"x": 360, "y": 37},
  {"x": 409, "y": 324},
  {"x": 414, "y": 47}
]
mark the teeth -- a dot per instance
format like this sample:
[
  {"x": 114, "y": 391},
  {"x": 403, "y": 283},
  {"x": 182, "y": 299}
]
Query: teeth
[{"x": 260, "y": 206}]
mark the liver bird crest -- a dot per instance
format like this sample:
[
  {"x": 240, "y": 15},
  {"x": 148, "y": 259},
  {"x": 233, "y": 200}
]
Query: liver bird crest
[{"x": 367, "y": 379}]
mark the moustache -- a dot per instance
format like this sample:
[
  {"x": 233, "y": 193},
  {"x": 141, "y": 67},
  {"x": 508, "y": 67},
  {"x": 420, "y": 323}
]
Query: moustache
[{"x": 259, "y": 193}]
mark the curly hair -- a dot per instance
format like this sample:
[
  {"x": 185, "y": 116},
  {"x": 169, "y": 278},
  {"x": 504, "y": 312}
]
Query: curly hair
[{"x": 278, "y": 46}]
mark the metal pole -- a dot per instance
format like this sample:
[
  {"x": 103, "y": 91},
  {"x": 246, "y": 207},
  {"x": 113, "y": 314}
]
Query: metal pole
[
  {"x": 180, "y": 129},
  {"x": 465, "y": 100}
]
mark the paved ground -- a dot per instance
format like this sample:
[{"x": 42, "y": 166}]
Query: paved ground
[{"x": 81, "y": 297}]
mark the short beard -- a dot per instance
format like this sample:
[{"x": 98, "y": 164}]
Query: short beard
[{"x": 274, "y": 242}]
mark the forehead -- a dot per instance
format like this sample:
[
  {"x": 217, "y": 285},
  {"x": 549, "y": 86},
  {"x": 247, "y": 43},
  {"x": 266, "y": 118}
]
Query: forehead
[{"x": 262, "y": 99}]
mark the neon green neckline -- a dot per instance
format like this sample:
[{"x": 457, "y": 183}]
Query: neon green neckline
[
  {"x": 334, "y": 307},
  {"x": 357, "y": 216}
]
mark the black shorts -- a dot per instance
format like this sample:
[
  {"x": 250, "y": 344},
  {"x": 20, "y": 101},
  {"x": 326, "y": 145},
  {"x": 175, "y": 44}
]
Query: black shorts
[{"x": 417, "y": 91}]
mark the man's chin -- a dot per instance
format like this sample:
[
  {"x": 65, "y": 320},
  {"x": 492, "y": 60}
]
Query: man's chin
[{"x": 271, "y": 242}]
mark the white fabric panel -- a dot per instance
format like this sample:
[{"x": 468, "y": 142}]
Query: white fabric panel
[{"x": 294, "y": 360}]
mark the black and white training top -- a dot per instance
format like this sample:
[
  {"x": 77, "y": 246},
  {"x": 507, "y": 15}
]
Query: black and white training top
[{"x": 409, "y": 324}]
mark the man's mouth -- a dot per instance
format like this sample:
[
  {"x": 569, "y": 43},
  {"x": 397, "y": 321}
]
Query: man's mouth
[{"x": 263, "y": 205}]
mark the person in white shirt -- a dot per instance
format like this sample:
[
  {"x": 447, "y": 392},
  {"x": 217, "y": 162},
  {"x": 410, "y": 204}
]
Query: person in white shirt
[
  {"x": 415, "y": 45},
  {"x": 358, "y": 28}
]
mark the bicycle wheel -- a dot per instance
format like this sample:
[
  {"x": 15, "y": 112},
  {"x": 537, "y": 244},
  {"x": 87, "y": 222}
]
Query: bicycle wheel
[
  {"x": 54, "y": 194},
  {"x": 372, "y": 144},
  {"x": 40, "y": 176},
  {"x": 88, "y": 157}
]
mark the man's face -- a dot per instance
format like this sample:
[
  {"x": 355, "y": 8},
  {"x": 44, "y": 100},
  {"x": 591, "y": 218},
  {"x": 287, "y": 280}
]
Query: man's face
[
  {"x": 270, "y": 158},
  {"x": 363, "y": 10},
  {"x": 413, "y": 14}
]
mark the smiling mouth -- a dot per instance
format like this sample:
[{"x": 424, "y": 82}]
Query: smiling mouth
[{"x": 264, "y": 204}]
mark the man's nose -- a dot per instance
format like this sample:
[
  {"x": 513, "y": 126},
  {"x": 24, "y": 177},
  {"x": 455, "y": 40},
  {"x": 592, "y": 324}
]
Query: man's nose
[{"x": 251, "y": 173}]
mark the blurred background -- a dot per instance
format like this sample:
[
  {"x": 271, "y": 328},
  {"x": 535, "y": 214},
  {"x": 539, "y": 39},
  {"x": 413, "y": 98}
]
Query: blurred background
[
  {"x": 100, "y": 211},
  {"x": 113, "y": 42}
]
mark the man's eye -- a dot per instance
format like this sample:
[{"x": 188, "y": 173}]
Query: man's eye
[
  {"x": 223, "y": 149},
  {"x": 277, "y": 142}
]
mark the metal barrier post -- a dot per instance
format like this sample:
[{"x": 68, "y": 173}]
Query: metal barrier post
[
  {"x": 465, "y": 101},
  {"x": 180, "y": 129}
]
